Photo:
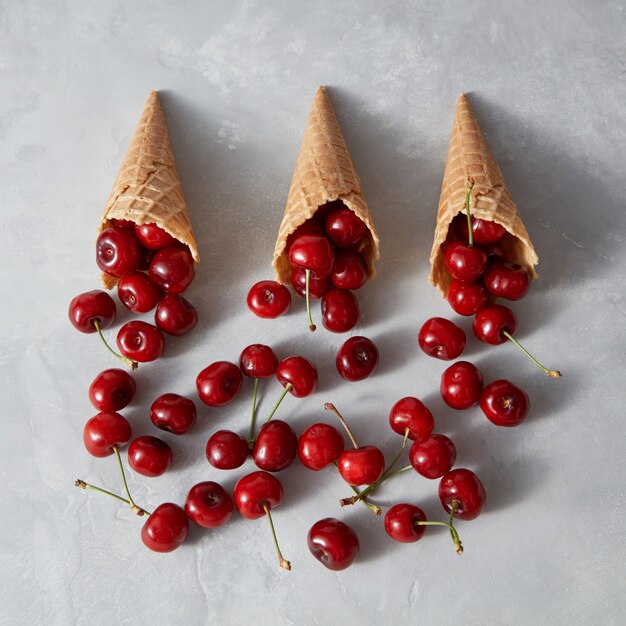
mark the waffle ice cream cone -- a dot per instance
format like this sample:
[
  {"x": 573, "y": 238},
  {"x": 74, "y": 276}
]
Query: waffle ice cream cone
[
  {"x": 469, "y": 158},
  {"x": 324, "y": 173},
  {"x": 147, "y": 189}
]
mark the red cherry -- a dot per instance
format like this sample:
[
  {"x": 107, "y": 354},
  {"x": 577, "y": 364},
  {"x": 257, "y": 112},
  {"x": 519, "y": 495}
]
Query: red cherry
[
  {"x": 413, "y": 414},
  {"x": 153, "y": 237},
  {"x": 255, "y": 490},
  {"x": 401, "y": 523},
  {"x": 504, "y": 404},
  {"x": 140, "y": 341},
  {"x": 340, "y": 310},
  {"x": 464, "y": 262},
  {"x": 219, "y": 383},
  {"x": 269, "y": 299},
  {"x": 137, "y": 292},
  {"x": 344, "y": 228},
  {"x": 226, "y": 450},
  {"x": 89, "y": 308},
  {"x": 506, "y": 280},
  {"x": 463, "y": 489},
  {"x": 173, "y": 413},
  {"x": 361, "y": 466},
  {"x": 311, "y": 227},
  {"x": 357, "y": 359},
  {"x": 466, "y": 298},
  {"x": 317, "y": 286},
  {"x": 112, "y": 390},
  {"x": 175, "y": 315},
  {"x": 299, "y": 373},
  {"x": 483, "y": 231},
  {"x": 333, "y": 543},
  {"x": 313, "y": 253},
  {"x": 461, "y": 385},
  {"x": 117, "y": 251},
  {"x": 349, "y": 270},
  {"x": 494, "y": 250},
  {"x": 433, "y": 457},
  {"x": 442, "y": 339},
  {"x": 208, "y": 504},
  {"x": 319, "y": 446},
  {"x": 491, "y": 322},
  {"x": 149, "y": 456},
  {"x": 123, "y": 223},
  {"x": 275, "y": 446},
  {"x": 173, "y": 269},
  {"x": 105, "y": 430},
  {"x": 166, "y": 529},
  {"x": 258, "y": 361}
]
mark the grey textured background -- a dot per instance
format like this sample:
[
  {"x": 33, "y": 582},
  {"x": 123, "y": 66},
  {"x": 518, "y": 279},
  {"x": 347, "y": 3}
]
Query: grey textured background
[{"x": 547, "y": 81}]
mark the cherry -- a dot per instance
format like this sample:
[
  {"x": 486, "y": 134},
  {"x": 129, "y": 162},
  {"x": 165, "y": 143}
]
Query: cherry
[
  {"x": 258, "y": 361},
  {"x": 208, "y": 504},
  {"x": 219, "y": 383},
  {"x": 226, "y": 450},
  {"x": 173, "y": 413},
  {"x": 149, "y": 456},
  {"x": 317, "y": 286},
  {"x": 465, "y": 262},
  {"x": 361, "y": 466},
  {"x": 506, "y": 280},
  {"x": 137, "y": 292},
  {"x": 313, "y": 253},
  {"x": 319, "y": 446},
  {"x": 466, "y": 298},
  {"x": 153, "y": 237},
  {"x": 402, "y": 523},
  {"x": 484, "y": 232},
  {"x": 166, "y": 529},
  {"x": 269, "y": 299},
  {"x": 461, "y": 385},
  {"x": 462, "y": 494},
  {"x": 311, "y": 227},
  {"x": 349, "y": 270},
  {"x": 117, "y": 251},
  {"x": 344, "y": 228},
  {"x": 275, "y": 446},
  {"x": 504, "y": 404},
  {"x": 175, "y": 315},
  {"x": 433, "y": 457},
  {"x": 112, "y": 390},
  {"x": 140, "y": 341},
  {"x": 494, "y": 250},
  {"x": 357, "y": 359},
  {"x": 298, "y": 375},
  {"x": 173, "y": 269},
  {"x": 123, "y": 223},
  {"x": 340, "y": 310},
  {"x": 104, "y": 432},
  {"x": 92, "y": 310},
  {"x": 442, "y": 339},
  {"x": 411, "y": 414},
  {"x": 333, "y": 543}
]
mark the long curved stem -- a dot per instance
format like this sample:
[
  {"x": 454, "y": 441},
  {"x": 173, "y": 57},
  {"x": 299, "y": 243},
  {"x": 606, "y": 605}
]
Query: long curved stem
[
  {"x": 132, "y": 364},
  {"x": 545, "y": 370},
  {"x": 131, "y": 502},
  {"x": 331, "y": 407},
  {"x": 284, "y": 563},
  {"x": 458, "y": 546},
  {"x": 307, "y": 294},
  {"x": 286, "y": 390},
  {"x": 83, "y": 485},
  {"x": 253, "y": 413}
]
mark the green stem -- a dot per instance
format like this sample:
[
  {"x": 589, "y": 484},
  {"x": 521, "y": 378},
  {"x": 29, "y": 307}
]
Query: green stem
[
  {"x": 372, "y": 507},
  {"x": 470, "y": 237},
  {"x": 287, "y": 389},
  {"x": 253, "y": 414},
  {"x": 545, "y": 370},
  {"x": 131, "y": 502},
  {"x": 331, "y": 407},
  {"x": 83, "y": 485},
  {"x": 132, "y": 364},
  {"x": 458, "y": 546},
  {"x": 283, "y": 562},
  {"x": 307, "y": 277}
]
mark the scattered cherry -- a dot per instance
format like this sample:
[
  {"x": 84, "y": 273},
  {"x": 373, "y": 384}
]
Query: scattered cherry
[
  {"x": 333, "y": 543},
  {"x": 226, "y": 450},
  {"x": 112, "y": 390},
  {"x": 137, "y": 292},
  {"x": 349, "y": 270},
  {"x": 298, "y": 374},
  {"x": 319, "y": 446},
  {"x": 117, "y": 251},
  {"x": 269, "y": 299},
  {"x": 462, "y": 493},
  {"x": 412, "y": 414},
  {"x": 363, "y": 465},
  {"x": 149, "y": 456},
  {"x": 402, "y": 523},
  {"x": 466, "y": 298},
  {"x": 175, "y": 315},
  {"x": 153, "y": 237},
  {"x": 340, "y": 310},
  {"x": 504, "y": 404},
  {"x": 344, "y": 228},
  {"x": 357, "y": 359},
  {"x": 433, "y": 457},
  {"x": 258, "y": 361},
  {"x": 442, "y": 339},
  {"x": 92, "y": 310},
  {"x": 173, "y": 269},
  {"x": 208, "y": 504},
  {"x": 173, "y": 413},
  {"x": 506, "y": 280},
  {"x": 104, "y": 432},
  {"x": 461, "y": 385},
  {"x": 166, "y": 529},
  {"x": 140, "y": 341},
  {"x": 219, "y": 383},
  {"x": 275, "y": 446}
]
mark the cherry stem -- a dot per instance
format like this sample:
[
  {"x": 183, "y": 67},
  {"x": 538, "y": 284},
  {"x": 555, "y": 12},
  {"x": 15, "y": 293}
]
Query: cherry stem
[
  {"x": 307, "y": 278},
  {"x": 458, "y": 546},
  {"x": 546, "y": 371},
  {"x": 83, "y": 485},
  {"x": 470, "y": 236},
  {"x": 132, "y": 364},
  {"x": 331, "y": 407},
  {"x": 283, "y": 562},
  {"x": 288, "y": 388},
  {"x": 375, "y": 509},
  {"x": 131, "y": 502},
  {"x": 253, "y": 414}
]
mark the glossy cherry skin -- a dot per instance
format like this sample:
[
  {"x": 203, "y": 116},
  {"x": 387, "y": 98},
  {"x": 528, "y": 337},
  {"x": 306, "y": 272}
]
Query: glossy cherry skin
[
  {"x": 258, "y": 361},
  {"x": 490, "y": 323},
  {"x": 226, "y": 450},
  {"x": 89, "y": 307},
  {"x": 466, "y": 298},
  {"x": 269, "y": 299},
  {"x": 117, "y": 251},
  {"x": 349, "y": 270},
  {"x": 462, "y": 486},
  {"x": 255, "y": 490},
  {"x": 311, "y": 227},
  {"x": 219, "y": 383},
  {"x": 357, "y": 359},
  {"x": 319, "y": 446},
  {"x": 173, "y": 413},
  {"x": 344, "y": 228},
  {"x": 112, "y": 390},
  {"x": 149, "y": 456},
  {"x": 105, "y": 430},
  {"x": 333, "y": 543},
  {"x": 208, "y": 504},
  {"x": 300, "y": 373},
  {"x": 175, "y": 315},
  {"x": 464, "y": 262},
  {"x": 140, "y": 341},
  {"x": 440, "y": 338},
  {"x": 313, "y": 253},
  {"x": 401, "y": 523},
  {"x": 137, "y": 292},
  {"x": 461, "y": 385},
  {"x": 361, "y": 466},
  {"x": 317, "y": 286},
  {"x": 275, "y": 446},
  {"x": 173, "y": 269},
  {"x": 413, "y": 414},
  {"x": 506, "y": 280},
  {"x": 340, "y": 310},
  {"x": 153, "y": 237},
  {"x": 123, "y": 223},
  {"x": 166, "y": 529},
  {"x": 432, "y": 457},
  {"x": 484, "y": 232},
  {"x": 504, "y": 404}
]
